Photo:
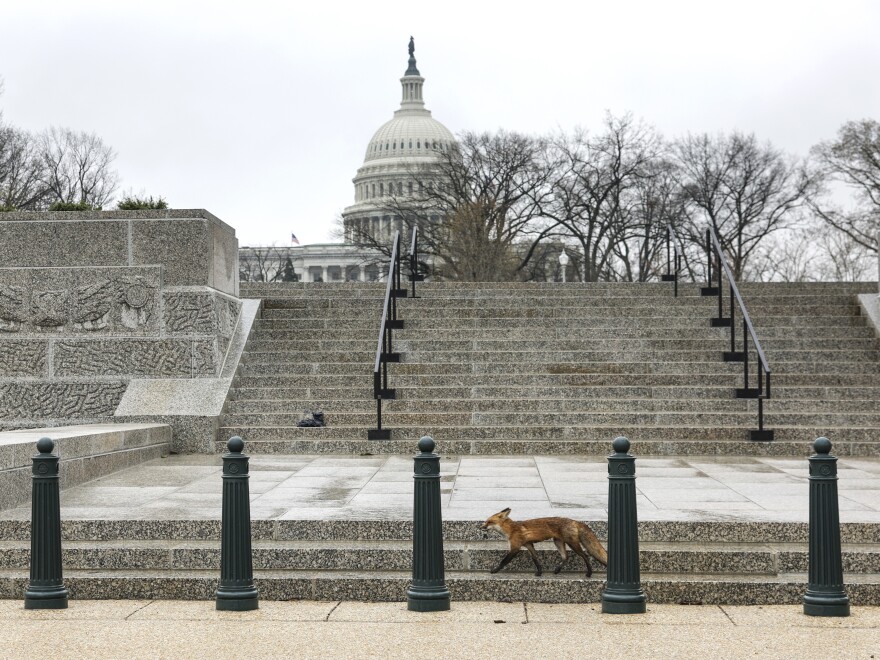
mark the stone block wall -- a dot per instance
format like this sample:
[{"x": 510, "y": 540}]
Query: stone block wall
[{"x": 89, "y": 301}]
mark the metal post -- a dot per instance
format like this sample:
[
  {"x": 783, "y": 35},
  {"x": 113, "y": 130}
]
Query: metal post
[
  {"x": 236, "y": 591},
  {"x": 428, "y": 592},
  {"x": 623, "y": 590},
  {"x": 45, "y": 589},
  {"x": 825, "y": 594}
]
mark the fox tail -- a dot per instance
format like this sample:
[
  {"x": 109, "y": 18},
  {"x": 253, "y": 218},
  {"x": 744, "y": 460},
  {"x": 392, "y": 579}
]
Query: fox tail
[{"x": 591, "y": 544}]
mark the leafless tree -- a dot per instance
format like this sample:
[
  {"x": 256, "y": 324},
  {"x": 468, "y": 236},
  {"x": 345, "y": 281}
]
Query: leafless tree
[
  {"x": 595, "y": 198},
  {"x": 21, "y": 171},
  {"x": 77, "y": 167},
  {"x": 477, "y": 204},
  {"x": 744, "y": 190},
  {"x": 261, "y": 264},
  {"x": 852, "y": 159}
]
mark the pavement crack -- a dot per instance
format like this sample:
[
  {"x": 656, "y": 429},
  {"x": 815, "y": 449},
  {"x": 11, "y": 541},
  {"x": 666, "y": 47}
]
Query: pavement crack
[
  {"x": 146, "y": 605},
  {"x": 327, "y": 618},
  {"x": 726, "y": 614}
]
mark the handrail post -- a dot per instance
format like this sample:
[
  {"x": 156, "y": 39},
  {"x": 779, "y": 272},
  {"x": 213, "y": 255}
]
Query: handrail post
[{"x": 709, "y": 289}]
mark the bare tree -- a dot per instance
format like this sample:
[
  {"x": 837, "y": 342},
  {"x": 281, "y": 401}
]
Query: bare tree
[
  {"x": 263, "y": 264},
  {"x": 594, "y": 194},
  {"x": 21, "y": 171},
  {"x": 77, "y": 167},
  {"x": 852, "y": 159},
  {"x": 744, "y": 190},
  {"x": 477, "y": 204}
]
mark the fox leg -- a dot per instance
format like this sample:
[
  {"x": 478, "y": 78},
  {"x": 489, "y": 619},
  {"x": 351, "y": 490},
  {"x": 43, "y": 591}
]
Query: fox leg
[
  {"x": 505, "y": 560},
  {"x": 563, "y": 553},
  {"x": 580, "y": 551},
  {"x": 531, "y": 548}
]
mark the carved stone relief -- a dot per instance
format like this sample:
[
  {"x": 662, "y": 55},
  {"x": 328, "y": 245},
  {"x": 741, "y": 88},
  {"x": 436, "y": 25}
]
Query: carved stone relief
[{"x": 11, "y": 308}]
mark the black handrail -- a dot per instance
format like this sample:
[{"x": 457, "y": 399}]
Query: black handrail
[
  {"x": 384, "y": 348},
  {"x": 673, "y": 264},
  {"x": 762, "y": 391},
  {"x": 414, "y": 275}
]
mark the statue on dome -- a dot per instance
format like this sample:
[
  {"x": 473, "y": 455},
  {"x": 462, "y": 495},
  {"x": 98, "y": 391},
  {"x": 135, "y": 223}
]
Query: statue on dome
[{"x": 412, "y": 46}]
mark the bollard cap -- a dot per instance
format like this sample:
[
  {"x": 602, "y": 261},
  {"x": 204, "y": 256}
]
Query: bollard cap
[
  {"x": 822, "y": 446},
  {"x": 235, "y": 445},
  {"x": 620, "y": 445},
  {"x": 45, "y": 445},
  {"x": 426, "y": 444}
]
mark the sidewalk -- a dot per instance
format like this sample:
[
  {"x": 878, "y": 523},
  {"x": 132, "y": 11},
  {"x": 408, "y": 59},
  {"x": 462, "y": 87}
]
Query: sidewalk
[
  {"x": 472, "y": 488},
  {"x": 295, "y": 629}
]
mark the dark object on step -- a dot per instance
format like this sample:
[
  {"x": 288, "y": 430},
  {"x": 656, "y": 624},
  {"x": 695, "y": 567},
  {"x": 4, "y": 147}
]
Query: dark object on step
[{"x": 312, "y": 418}]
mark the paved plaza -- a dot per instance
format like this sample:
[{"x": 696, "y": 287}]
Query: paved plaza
[
  {"x": 473, "y": 487},
  {"x": 179, "y": 629}
]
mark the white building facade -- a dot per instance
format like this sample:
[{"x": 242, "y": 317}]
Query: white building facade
[{"x": 397, "y": 163}]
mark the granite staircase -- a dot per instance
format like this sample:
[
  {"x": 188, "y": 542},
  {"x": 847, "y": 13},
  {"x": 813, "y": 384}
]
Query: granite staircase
[
  {"x": 681, "y": 562},
  {"x": 556, "y": 369}
]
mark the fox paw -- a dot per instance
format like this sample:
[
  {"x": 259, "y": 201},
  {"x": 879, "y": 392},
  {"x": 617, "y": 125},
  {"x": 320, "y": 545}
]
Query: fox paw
[
  {"x": 494, "y": 570},
  {"x": 557, "y": 570},
  {"x": 537, "y": 573}
]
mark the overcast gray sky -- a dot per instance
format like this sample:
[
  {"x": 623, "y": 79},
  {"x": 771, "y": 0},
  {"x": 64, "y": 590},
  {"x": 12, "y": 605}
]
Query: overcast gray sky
[{"x": 260, "y": 112}]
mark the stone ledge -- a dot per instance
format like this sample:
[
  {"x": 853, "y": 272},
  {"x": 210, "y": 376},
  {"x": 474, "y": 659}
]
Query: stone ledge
[{"x": 87, "y": 452}]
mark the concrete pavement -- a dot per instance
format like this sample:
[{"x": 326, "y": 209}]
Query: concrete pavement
[{"x": 194, "y": 629}]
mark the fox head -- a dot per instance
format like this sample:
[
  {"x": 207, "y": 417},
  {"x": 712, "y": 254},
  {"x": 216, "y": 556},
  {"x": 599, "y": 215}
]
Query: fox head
[{"x": 494, "y": 522}]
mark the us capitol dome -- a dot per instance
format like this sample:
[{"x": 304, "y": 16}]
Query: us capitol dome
[{"x": 397, "y": 161}]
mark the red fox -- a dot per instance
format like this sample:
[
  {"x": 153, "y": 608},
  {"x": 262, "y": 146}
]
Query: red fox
[{"x": 579, "y": 537}]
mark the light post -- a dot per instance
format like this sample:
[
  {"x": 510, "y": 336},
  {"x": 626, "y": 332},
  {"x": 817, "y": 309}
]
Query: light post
[{"x": 563, "y": 261}]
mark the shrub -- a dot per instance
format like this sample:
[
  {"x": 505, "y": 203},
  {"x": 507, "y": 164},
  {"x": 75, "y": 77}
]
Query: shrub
[
  {"x": 134, "y": 203},
  {"x": 73, "y": 206}
]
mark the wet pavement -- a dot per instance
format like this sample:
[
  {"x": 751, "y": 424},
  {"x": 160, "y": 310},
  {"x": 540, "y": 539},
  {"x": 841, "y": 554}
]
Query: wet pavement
[{"x": 472, "y": 488}]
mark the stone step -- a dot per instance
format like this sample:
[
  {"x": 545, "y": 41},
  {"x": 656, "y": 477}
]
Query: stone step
[
  {"x": 307, "y": 338},
  {"x": 584, "y": 393},
  {"x": 391, "y": 586},
  {"x": 542, "y": 405},
  {"x": 504, "y": 369},
  {"x": 472, "y": 556},
  {"x": 550, "y": 354},
  {"x": 729, "y": 376},
  {"x": 543, "y": 439},
  {"x": 416, "y": 344},
  {"x": 663, "y": 418}
]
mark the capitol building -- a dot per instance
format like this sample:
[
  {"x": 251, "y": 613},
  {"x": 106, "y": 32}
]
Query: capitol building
[{"x": 397, "y": 163}]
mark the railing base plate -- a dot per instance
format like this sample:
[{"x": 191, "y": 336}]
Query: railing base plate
[
  {"x": 375, "y": 434},
  {"x": 391, "y": 357},
  {"x": 398, "y": 293},
  {"x": 747, "y": 392},
  {"x": 709, "y": 291},
  {"x": 667, "y": 278},
  {"x": 416, "y": 278},
  {"x": 394, "y": 324},
  {"x": 761, "y": 436},
  {"x": 388, "y": 394},
  {"x": 733, "y": 356},
  {"x": 720, "y": 322}
]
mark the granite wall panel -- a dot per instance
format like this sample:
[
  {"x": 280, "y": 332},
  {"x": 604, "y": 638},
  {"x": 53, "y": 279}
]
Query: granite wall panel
[
  {"x": 34, "y": 400},
  {"x": 151, "y": 358},
  {"x": 24, "y": 358}
]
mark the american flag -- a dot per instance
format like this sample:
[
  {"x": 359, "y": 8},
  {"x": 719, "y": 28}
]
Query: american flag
[{"x": 294, "y": 239}]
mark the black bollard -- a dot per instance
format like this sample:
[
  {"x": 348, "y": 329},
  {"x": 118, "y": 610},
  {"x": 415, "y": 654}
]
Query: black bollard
[
  {"x": 236, "y": 591},
  {"x": 45, "y": 590},
  {"x": 427, "y": 592},
  {"x": 825, "y": 594},
  {"x": 623, "y": 589}
]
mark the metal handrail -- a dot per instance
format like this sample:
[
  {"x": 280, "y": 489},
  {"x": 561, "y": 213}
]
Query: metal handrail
[
  {"x": 673, "y": 266},
  {"x": 761, "y": 392},
  {"x": 384, "y": 346},
  {"x": 414, "y": 275}
]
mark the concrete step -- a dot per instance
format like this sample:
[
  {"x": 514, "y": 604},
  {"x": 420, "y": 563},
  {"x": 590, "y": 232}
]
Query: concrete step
[
  {"x": 561, "y": 367},
  {"x": 542, "y": 405},
  {"x": 729, "y": 376},
  {"x": 781, "y": 395},
  {"x": 391, "y": 586},
  {"x": 472, "y": 556}
]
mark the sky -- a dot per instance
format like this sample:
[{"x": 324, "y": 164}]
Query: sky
[{"x": 260, "y": 112}]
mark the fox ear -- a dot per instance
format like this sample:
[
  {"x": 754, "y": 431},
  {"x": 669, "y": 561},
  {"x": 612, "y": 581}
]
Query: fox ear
[{"x": 506, "y": 512}]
